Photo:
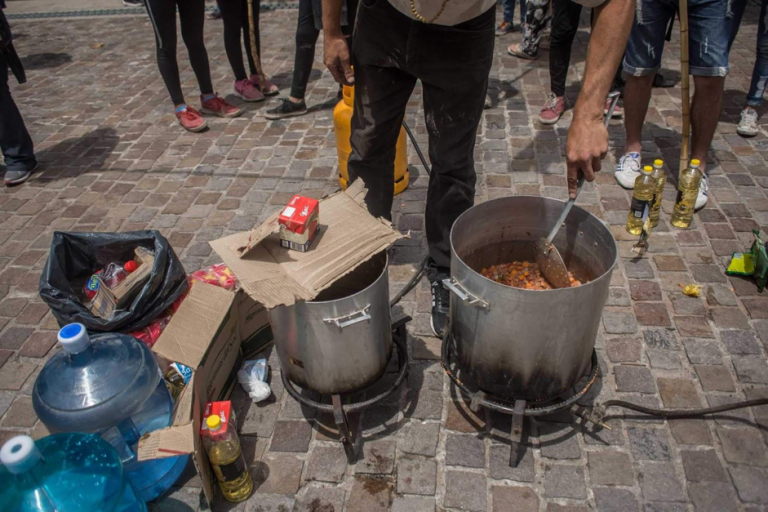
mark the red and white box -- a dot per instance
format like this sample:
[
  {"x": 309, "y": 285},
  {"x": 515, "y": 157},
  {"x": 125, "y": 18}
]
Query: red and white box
[{"x": 298, "y": 223}]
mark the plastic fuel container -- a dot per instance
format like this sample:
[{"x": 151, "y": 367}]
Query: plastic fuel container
[
  {"x": 64, "y": 473},
  {"x": 110, "y": 385}
]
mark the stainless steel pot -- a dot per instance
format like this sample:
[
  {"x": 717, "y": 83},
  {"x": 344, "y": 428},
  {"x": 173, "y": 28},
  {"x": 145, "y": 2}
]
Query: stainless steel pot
[
  {"x": 517, "y": 343},
  {"x": 341, "y": 341}
]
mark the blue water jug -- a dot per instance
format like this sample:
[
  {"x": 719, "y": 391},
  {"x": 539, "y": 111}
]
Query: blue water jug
[
  {"x": 110, "y": 385},
  {"x": 64, "y": 473}
]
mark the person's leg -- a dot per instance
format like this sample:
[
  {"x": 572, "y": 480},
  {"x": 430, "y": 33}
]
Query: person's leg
[
  {"x": 192, "y": 19},
  {"x": 15, "y": 141},
  {"x": 535, "y": 22},
  {"x": 564, "y": 27},
  {"x": 382, "y": 90},
  {"x": 162, "y": 14},
  {"x": 509, "y": 10},
  {"x": 760, "y": 71},
  {"x": 734, "y": 19},
  {"x": 705, "y": 112},
  {"x": 231, "y": 13},
  {"x": 248, "y": 28},
  {"x": 523, "y": 8}
]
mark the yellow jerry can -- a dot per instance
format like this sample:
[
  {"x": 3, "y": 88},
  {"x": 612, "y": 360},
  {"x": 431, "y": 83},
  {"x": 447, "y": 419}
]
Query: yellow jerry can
[{"x": 342, "y": 117}]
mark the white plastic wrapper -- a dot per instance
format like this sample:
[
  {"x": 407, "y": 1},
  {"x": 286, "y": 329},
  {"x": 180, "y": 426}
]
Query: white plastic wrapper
[{"x": 253, "y": 377}]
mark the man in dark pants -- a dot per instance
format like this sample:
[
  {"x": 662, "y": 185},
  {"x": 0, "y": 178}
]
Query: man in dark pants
[
  {"x": 15, "y": 141},
  {"x": 448, "y": 45}
]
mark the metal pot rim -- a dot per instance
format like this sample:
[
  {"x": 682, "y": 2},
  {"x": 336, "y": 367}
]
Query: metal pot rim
[
  {"x": 384, "y": 273},
  {"x": 505, "y": 287}
]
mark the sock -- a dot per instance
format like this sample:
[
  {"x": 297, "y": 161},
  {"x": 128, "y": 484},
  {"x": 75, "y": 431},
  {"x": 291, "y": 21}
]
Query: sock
[
  {"x": 181, "y": 108},
  {"x": 208, "y": 97}
]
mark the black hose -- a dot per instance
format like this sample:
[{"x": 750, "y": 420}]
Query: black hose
[
  {"x": 685, "y": 413},
  {"x": 418, "y": 149}
]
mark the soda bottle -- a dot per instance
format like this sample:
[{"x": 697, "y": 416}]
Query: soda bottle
[
  {"x": 219, "y": 435},
  {"x": 176, "y": 378},
  {"x": 687, "y": 192},
  {"x": 660, "y": 177},
  {"x": 642, "y": 198}
]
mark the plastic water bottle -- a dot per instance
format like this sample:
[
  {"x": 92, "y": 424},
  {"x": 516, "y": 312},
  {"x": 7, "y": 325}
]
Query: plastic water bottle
[
  {"x": 63, "y": 473},
  {"x": 111, "y": 386}
]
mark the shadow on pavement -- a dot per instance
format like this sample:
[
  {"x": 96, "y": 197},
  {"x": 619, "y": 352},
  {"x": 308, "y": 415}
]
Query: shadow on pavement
[
  {"x": 77, "y": 155},
  {"x": 39, "y": 61}
]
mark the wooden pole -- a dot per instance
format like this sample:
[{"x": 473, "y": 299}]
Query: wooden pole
[
  {"x": 252, "y": 40},
  {"x": 684, "y": 71}
]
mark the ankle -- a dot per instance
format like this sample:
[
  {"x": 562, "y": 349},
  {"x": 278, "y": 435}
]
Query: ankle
[
  {"x": 208, "y": 97},
  {"x": 181, "y": 107},
  {"x": 295, "y": 100}
]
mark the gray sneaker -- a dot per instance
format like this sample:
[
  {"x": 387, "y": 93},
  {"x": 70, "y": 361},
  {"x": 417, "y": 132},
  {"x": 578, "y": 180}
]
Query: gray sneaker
[
  {"x": 748, "y": 124},
  {"x": 17, "y": 177}
]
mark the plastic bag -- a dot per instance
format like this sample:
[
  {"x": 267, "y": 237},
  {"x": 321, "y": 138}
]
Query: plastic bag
[
  {"x": 75, "y": 257},
  {"x": 253, "y": 377},
  {"x": 217, "y": 275}
]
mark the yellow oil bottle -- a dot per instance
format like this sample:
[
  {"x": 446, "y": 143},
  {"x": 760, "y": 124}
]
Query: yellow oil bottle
[
  {"x": 660, "y": 177},
  {"x": 342, "y": 120},
  {"x": 226, "y": 456},
  {"x": 687, "y": 192},
  {"x": 642, "y": 199}
]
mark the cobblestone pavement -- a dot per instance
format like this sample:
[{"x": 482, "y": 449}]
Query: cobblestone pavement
[{"x": 113, "y": 158}]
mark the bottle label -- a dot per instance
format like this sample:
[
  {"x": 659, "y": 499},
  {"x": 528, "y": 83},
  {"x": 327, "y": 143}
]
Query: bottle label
[
  {"x": 638, "y": 208},
  {"x": 184, "y": 371},
  {"x": 220, "y": 409},
  {"x": 231, "y": 471},
  {"x": 680, "y": 202}
]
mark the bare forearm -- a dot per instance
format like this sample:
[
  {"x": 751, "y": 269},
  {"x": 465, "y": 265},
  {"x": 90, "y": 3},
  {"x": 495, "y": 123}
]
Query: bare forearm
[
  {"x": 613, "y": 21},
  {"x": 332, "y": 18}
]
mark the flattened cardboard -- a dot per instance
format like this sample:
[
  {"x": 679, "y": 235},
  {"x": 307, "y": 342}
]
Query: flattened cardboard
[{"x": 273, "y": 275}]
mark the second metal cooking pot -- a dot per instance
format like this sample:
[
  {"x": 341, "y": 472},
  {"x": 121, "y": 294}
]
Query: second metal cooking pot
[
  {"x": 517, "y": 343},
  {"x": 342, "y": 341}
]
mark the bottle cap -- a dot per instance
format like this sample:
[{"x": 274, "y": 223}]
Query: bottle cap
[
  {"x": 20, "y": 454},
  {"x": 658, "y": 162},
  {"x": 695, "y": 162},
  {"x": 213, "y": 422},
  {"x": 74, "y": 338},
  {"x": 647, "y": 169},
  {"x": 130, "y": 266}
]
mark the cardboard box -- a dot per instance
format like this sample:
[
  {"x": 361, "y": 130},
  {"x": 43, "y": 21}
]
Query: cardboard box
[
  {"x": 107, "y": 301},
  {"x": 274, "y": 276},
  {"x": 213, "y": 331}
]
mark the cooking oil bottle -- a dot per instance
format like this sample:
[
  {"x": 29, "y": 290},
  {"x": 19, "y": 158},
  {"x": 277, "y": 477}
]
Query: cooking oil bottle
[
  {"x": 687, "y": 192},
  {"x": 660, "y": 177},
  {"x": 223, "y": 447},
  {"x": 645, "y": 186}
]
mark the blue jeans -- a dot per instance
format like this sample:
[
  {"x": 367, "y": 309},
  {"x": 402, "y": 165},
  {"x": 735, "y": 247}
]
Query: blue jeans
[
  {"x": 707, "y": 36},
  {"x": 509, "y": 10},
  {"x": 760, "y": 72}
]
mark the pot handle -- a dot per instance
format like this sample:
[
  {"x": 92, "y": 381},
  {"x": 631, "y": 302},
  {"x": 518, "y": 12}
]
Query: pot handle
[
  {"x": 341, "y": 322},
  {"x": 464, "y": 295}
]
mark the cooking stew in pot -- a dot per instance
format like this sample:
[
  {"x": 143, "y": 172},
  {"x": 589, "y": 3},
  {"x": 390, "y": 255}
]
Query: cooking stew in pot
[{"x": 521, "y": 274}]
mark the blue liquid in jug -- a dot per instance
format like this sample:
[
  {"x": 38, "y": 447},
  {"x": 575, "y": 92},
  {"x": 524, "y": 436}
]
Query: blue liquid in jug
[
  {"x": 63, "y": 473},
  {"x": 110, "y": 385}
]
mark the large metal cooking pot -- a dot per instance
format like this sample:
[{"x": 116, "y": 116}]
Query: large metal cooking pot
[
  {"x": 526, "y": 344},
  {"x": 341, "y": 341}
]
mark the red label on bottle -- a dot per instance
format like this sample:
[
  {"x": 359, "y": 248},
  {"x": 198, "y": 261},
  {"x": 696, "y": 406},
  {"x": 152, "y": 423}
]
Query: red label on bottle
[{"x": 220, "y": 409}]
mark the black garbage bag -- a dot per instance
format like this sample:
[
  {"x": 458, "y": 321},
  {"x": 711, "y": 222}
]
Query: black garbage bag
[{"x": 75, "y": 257}]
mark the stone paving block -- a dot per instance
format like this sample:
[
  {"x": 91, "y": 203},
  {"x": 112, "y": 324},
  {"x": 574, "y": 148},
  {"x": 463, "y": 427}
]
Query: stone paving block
[
  {"x": 663, "y": 360},
  {"x": 378, "y": 458},
  {"x": 659, "y": 482},
  {"x": 20, "y": 414},
  {"x": 742, "y": 446},
  {"x": 703, "y": 466},
  {"x": 291, "y": 436},
  {"x": 740, "y": 342},
  {"x": 661, "y": 339},
  {"x": 619, "y": 322},
  {"x": 558, "y": 441},
  {"x": 277, "y": 474},
  {"x": 39, "y": 344},
  {"x": 14, "y": 374},
  {"x": 610, "y": 468},
  {"x": 464, "y": 450},
  {"x": 420, "y": 438},
  {"x": 564, "y": 482},
  {"x": 685, "y": 305},
  {"x": 623, "y": 350},
  {"x": 749, "y": 369},
  {"x": 733, "y": 418},
  {"x": 634, "y": 379},
  {"x": 750, "y": 484},
  {"x": 642, "y": 290},
  {"x": 715, "y": 378},
  {"x": 638, "y": 269},
  {"x": 514, "y": 499},
  {"x": 669, "y": 263},
  {"x": 462, "y": 419},
  {"x": 618, "y": 297},
  {"x": 729, "y": 318},
  {"x": 702, "y": 351},
  {"x": 678, "y": 393},
  {"x": 693, "y": 327},
  {"x": 316, "y": 499},
  {"x": 465, "y": 491},
  {"x": 426, "y": 404},
  {"x": 652, "y": 314},
  {"x": 501, "y": 470},
  {"x": 413, "y": 504},
  {"x": 614, "y": 500},
  {"x": 720, "y": 295},
  {"x": 649, "y": 443},
  {"x": 416, "y": 475},
  {"x": 369, "y": 493},
  {"x": 712, "y": 497},
  {"x": 327, "y": 463}
]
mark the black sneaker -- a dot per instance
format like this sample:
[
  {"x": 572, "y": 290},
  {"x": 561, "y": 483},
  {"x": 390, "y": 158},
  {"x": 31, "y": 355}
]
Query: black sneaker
[
  {"x": 287, "y": 108},
  {"x": 441, "y": 302},
  {"x": 133, "y": 3}
]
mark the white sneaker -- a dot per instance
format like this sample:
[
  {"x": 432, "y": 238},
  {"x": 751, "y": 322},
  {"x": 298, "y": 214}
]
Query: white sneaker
[
  {"x": 748, "y": 124},
  {"x": 628, "y": 170},
  {"x": 701, "y": 199}
]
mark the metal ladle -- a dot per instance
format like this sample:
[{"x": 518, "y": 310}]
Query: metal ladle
[{"x": 548, "y": 257}]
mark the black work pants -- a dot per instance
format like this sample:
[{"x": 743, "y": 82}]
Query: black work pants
[
  {"x": 15, "y": 141},
  {"x": 237, "y": 30},
  {"x": 390, "y": 52},
  {"x": 162, "y": 13},
  {"x": 565, "y": 24}
]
